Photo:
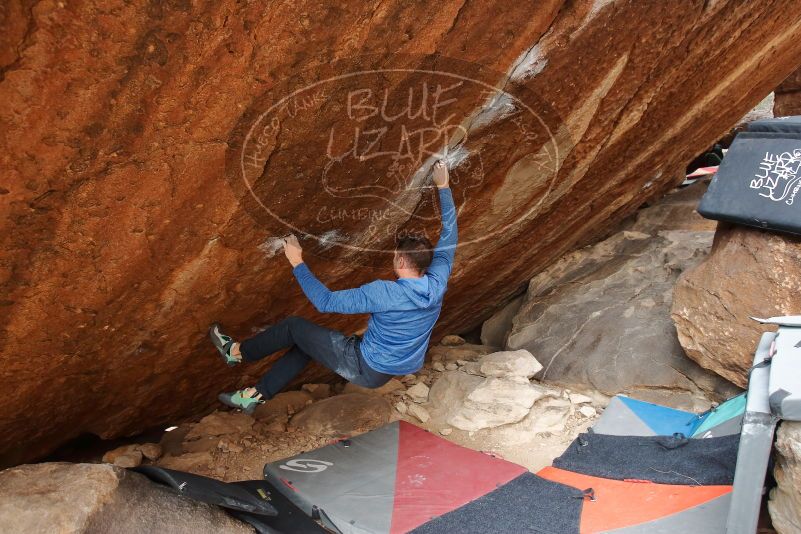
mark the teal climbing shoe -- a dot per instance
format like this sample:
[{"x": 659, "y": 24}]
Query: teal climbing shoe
[
  {"x": 223, "y": 344},
  {"x": 238, "y": 399}
]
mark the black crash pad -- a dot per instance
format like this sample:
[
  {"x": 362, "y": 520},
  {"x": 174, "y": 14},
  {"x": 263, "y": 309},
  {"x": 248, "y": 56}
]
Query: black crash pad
[
  {"x": 789, "y": 124},
  {"x": 758, "y": 183},
  {"x": 254, "y": 501}
]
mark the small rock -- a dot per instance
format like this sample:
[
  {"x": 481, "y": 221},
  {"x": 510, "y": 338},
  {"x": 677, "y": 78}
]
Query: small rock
[
  {"x": 151, "y": 451},
  {"x": 452, "y": 340},
  {"x": 450, "y": 366},
  {"x": 587, "y": 411},
  {"x": 446, "y": 431},
  {"x": 401, "y": 407},
  {"x": 578, "y": 398},
  {"x": 438, "y": 366},
  {"x": 409, "y": 379},
  {"x": 129, "y": 460},
  {"x": 418, "y": 392},
  {"x": 317, "y": 391},
  {"x": 510, "y": 364},
  {"x": 111, "y": 456},
  {"x": 419, "y": 412}
]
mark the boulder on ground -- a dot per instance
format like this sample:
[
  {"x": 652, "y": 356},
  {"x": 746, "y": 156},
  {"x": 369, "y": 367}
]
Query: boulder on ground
[
  {"x": 220, "y": 424},
  {"x": 100, "y": 498},
  {"x": 750, "y": 272},
  {"x": 470, "y": 402},
  {"x": 450, "y": 390},
  {"x": 510, "y": 364},
  {"x": 283, "y": 404},
  {"x": 600, "y": 316},
  {"x": 495, "y": 330},
  {"x": 344, "y": 414},
  {"x": 785, "y": 499}
]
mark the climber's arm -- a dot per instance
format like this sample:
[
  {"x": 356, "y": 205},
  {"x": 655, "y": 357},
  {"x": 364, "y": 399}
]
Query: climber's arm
[
  {"x": 369, "y": 298},
  {"x": 442, "y": 261}
]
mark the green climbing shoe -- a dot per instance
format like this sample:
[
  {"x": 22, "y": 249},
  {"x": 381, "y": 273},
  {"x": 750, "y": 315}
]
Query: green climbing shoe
[
  {"x": 223, "y": 344},
  {"x": 238, "y": 399}
]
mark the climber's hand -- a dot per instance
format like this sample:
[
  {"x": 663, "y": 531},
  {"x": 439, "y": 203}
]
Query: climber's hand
[
  {"x": 440, "y": 174},
  {"x": 293, "y": 250}
]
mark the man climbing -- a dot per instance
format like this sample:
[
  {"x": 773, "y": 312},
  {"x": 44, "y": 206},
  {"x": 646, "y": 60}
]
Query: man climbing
[{"x": 403, "y": 313}]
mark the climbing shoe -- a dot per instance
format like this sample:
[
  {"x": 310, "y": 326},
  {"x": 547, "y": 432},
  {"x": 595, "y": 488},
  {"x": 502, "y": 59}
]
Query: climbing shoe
[
  {"x": 223, "y": 344},
  {"x": 240, "y": 400}
]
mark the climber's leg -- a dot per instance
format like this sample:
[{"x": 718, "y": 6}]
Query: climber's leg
[
  {"x": 282, "y": 372},
  {"x": 322, "y": 344}
]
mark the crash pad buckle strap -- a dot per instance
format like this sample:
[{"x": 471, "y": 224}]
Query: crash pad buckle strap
[
  {"x": 764, "y": 363},
  {"x": 586, "y": 495}
]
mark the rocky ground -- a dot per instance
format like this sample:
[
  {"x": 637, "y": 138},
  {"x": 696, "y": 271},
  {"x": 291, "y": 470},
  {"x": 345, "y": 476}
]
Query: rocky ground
[{"x": 472, "y": 394}]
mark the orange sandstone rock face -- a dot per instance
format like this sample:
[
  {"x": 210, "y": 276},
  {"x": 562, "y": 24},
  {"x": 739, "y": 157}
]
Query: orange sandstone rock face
[{"x": 153, "y": 152}]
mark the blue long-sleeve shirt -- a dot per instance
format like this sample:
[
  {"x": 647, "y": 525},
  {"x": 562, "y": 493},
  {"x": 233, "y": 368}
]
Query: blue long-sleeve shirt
[{"x": 403, "y": 312}]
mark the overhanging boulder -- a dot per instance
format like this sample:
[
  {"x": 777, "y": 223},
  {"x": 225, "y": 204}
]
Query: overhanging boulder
[{"x": 127, "y": 227}]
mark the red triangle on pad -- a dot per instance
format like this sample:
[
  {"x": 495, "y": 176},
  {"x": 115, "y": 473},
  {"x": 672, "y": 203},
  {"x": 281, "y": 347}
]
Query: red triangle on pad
[{"x": 435, "y": 476}]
